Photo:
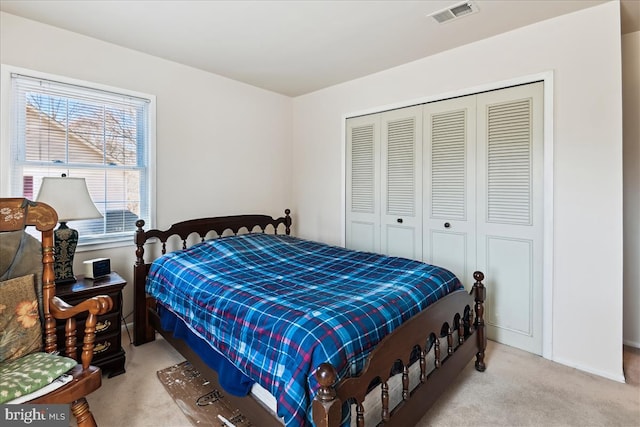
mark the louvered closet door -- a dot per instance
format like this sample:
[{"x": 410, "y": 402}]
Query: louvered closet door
[
  {"x": 363, "y": 183},
  {"x": 510, "y": 213},
  {"x": 449, "y": 205},
  {"x": 401, "y": 182}
]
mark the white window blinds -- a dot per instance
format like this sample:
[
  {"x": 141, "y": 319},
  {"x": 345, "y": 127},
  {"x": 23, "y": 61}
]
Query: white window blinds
[{"x": 99, "y": 135}]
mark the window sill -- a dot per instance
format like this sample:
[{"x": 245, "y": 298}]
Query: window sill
[{"x": 110, "y": 243}]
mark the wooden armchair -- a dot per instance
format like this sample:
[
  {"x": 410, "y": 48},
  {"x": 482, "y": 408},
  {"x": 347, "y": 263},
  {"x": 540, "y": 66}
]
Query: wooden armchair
[{"x": 15, "y": 215}]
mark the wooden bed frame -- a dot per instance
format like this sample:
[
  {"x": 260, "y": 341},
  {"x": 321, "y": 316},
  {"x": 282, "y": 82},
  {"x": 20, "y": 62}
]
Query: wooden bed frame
[{"x": 458, "y": 312}]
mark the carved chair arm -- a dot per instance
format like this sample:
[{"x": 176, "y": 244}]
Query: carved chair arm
[
  {"x": 97, "y": 305},
  {"x": 94, "y": 306}
]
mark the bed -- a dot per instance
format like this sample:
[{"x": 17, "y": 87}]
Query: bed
[{"x": 309, "y": 333}]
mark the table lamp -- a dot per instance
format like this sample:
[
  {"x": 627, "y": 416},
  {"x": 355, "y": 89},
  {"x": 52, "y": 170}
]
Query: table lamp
[{"x": 71, "y": 200}]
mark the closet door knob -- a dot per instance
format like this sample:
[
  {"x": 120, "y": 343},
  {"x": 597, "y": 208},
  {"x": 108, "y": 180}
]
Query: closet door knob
[
  {"x": 399, "y": 220},
  {"x": 447, "y": 225}
]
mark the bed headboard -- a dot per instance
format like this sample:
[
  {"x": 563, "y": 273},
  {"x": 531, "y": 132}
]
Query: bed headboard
[{"x": 202, "y": 227}]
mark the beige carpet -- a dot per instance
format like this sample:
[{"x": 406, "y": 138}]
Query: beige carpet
[{"x": 518, "y": 389}]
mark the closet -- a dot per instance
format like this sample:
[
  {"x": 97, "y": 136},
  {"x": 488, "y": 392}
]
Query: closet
[
  {"x": 385, "y": 203},
  {"x": 458, "y": 183}
]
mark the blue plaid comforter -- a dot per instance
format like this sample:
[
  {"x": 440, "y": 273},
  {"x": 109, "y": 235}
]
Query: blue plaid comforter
[{"x": 278, "y": 306}]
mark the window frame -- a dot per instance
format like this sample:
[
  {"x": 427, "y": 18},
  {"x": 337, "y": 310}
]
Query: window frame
[{"x": 7, "y": 133}]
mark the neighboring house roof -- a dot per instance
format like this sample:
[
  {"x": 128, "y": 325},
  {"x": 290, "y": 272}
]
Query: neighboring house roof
[{"x": 46, "y": 140}]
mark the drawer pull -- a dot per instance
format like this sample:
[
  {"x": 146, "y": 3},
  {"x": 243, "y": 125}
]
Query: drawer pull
[
  {"x": 102, "y": 326},
  {"x": 102, "y": 347}
]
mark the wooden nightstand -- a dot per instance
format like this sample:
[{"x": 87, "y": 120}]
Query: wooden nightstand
[{"x": 108, "y": 353}]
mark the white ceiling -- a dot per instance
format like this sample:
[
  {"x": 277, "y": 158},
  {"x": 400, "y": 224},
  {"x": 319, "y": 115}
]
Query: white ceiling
[{"x": 294, "y": 47}]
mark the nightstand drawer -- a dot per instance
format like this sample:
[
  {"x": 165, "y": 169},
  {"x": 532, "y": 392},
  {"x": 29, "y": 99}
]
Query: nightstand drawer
[
  {"x": 106, "y": 324},
  {"x": 81, "y": 318},
  {"x": 105, "y": 346},
  {"x": 108, "y": 353}
]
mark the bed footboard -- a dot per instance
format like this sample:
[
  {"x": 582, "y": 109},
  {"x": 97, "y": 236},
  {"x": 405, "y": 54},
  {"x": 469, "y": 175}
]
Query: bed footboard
[{"x": 451, "y": 314}]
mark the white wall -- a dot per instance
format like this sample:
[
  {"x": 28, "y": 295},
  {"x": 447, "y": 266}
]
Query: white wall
[
  {"x": 631, "y": 133},
  {"x": 222, "y": 146},
  {"x": 583, "y": 52}
]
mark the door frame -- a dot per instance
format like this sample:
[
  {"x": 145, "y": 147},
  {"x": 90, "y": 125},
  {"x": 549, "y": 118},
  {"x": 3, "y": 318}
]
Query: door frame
[{"x": 547, "y": 77}]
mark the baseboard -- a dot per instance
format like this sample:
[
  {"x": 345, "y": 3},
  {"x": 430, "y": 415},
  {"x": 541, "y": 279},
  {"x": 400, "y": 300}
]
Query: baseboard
[
  {"x": 630, "y": 343},
  {"x": 618, "y": 378}
]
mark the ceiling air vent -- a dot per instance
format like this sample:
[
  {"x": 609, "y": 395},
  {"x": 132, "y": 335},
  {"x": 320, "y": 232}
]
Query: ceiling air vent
[{"x": 455, "y": 11}]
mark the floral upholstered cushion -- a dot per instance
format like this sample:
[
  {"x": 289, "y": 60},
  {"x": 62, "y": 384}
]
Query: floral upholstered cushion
[
  {"x": 20, "y": 328},
  {"x": 30, "y": 373}
]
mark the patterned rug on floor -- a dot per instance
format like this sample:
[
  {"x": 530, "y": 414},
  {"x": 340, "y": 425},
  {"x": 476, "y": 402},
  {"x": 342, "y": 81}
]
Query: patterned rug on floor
[{"x": 203, "y": 404}]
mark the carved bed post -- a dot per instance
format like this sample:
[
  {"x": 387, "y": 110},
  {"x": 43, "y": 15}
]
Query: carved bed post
[
  {"x": 479, "y": 294},
  {"x": 142, "y": 332},
  {"x": 327, "y": 408},
  {"x": 287, "y": 221}
]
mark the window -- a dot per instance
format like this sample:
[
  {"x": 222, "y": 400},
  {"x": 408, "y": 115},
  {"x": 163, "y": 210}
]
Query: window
[{"x": 101, "y": 135}]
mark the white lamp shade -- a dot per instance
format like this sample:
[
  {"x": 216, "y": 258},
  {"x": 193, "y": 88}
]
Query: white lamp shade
[{"x": 69, "y": 197}]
